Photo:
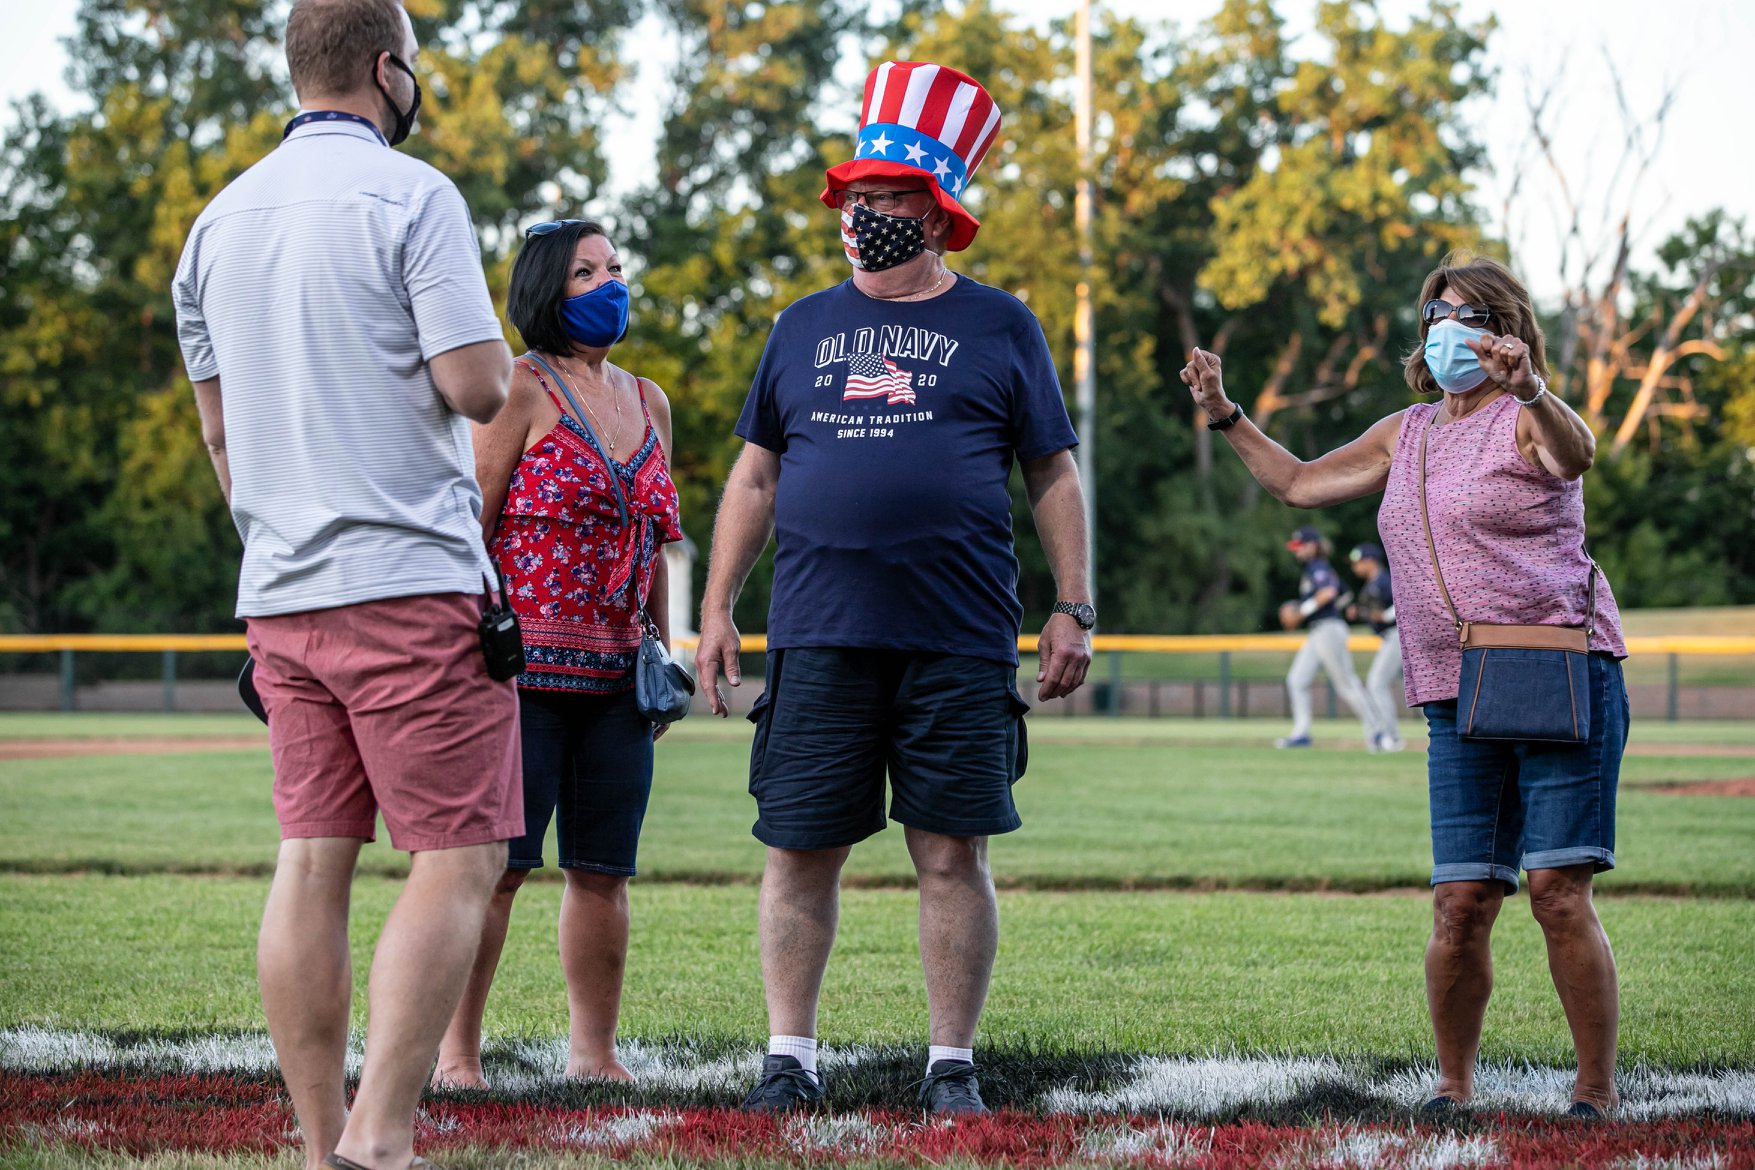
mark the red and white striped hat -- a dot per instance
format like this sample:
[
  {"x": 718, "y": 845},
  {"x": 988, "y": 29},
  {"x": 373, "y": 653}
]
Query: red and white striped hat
[{"x": 922, "y": 120}]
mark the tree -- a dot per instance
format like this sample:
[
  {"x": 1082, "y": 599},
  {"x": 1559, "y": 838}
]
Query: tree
[
  {"x": 729, "y": 230},
  {"x": 113, "y": 520}
]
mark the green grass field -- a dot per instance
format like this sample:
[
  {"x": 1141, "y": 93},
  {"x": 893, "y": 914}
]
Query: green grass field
[
  {"x": 1179, "y": 890},
  {"x": 1137, "y": 804},
  {"x": 1098, "y": 972},
  {"x": 109, "y": 927}
]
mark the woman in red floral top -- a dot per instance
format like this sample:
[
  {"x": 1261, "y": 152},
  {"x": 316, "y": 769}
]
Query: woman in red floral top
[{"x": 578, "y": 578}]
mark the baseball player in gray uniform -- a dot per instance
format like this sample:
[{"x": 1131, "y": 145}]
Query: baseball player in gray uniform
[
  {"x": 1376, "y": 607},
  {"x": 1318, "y": 608}
]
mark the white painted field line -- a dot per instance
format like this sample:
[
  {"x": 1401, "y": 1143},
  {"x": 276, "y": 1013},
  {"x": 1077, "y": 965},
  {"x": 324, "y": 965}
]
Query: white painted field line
[
  {"x": 1201, "y": 1088},
  {"x": 1173, "y": 1086}
]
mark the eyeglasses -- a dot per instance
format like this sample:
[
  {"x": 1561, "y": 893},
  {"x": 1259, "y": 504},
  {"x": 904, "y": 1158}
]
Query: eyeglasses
[
  {"x": 882, "y": 202},
  {"x": 552, "y": 226},
  {"x": 1474, "y": 316}
]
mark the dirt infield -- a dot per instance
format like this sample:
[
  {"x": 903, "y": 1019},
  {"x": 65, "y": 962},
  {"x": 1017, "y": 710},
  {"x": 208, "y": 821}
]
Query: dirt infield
[
  {"x": 1740, "y": 787},
  {"x": 50, "y": 749}
]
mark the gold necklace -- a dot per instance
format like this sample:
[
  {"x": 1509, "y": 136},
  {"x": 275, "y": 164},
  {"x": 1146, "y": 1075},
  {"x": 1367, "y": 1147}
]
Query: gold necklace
[
  {"x": 922, "y": 292},
  {"x": 586, "y": 403}
]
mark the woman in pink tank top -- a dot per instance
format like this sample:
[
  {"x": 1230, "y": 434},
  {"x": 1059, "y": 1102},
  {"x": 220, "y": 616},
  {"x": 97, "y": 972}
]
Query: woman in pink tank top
[{"x": 1504, "y": 460}]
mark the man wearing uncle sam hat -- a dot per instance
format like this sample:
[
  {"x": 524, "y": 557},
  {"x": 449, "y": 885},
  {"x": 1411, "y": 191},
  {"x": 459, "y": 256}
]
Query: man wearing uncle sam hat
[{"x": 880, "y": 430}]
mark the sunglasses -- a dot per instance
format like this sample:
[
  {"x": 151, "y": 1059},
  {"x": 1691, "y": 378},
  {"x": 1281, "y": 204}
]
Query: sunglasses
[
  {"x": 1474, "y": 316},
  {"x": 549, "y": 228}
]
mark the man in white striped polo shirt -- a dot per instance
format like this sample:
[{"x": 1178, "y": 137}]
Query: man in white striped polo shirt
[{"x": 337, "y": 328}]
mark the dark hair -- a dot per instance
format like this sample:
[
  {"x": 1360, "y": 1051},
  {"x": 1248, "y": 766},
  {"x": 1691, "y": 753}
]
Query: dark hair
[
  {"x": 539, "y": 285},
  {"x": 332, "y": 46},
  {"x": 1478, "y": 280}
]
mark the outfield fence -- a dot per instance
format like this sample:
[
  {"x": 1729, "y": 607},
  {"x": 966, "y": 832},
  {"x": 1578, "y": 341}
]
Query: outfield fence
[{"x": 1202, "y": 675}]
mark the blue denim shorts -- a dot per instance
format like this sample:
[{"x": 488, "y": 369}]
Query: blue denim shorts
[
  {"x": 948, "y": 731},
  {"x": 588, "y": 765},
  {"x": 1498, "y": 808}
]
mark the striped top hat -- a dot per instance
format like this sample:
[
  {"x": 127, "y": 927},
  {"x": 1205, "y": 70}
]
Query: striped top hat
[{"x": 922, "y": 121}]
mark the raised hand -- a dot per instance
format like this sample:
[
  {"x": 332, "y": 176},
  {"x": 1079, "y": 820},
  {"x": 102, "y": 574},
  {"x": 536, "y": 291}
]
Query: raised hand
[
  {"x": 1506, "y": 360},
  {"x": 1205, "y": 382}
]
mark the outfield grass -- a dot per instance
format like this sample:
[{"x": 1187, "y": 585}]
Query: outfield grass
[
  {"x": 1046, "y": 728},
  {"x": 1137, "y": 972},
  {"x": 1150, "y": 809}
]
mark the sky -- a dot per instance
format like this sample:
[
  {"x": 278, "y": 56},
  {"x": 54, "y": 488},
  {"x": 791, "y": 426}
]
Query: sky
[{"x": 1703, "y": 48}]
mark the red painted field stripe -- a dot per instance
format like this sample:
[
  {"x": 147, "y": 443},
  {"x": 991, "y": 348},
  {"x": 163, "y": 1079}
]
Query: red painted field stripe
[{"x": 218, "y": 1114}]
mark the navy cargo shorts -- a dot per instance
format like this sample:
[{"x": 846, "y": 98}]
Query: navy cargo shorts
[{"x": 948, "y": 730}]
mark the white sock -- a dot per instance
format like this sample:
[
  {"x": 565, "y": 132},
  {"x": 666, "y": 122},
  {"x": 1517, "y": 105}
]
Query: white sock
[
  {"x": 801, "y": 1048},
  {"x": 938, "y": 1052}
]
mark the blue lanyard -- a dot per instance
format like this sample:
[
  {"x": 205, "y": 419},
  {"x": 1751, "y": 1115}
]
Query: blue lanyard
[{"x": 310, "y": 116}]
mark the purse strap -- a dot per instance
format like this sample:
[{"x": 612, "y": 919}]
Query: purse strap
[
  {"x": 615, "y": 481},
  {"x": 1590, "y": 617},
  {"x": 1426, "y": 525},
  {"x": 648, "y": 626}
]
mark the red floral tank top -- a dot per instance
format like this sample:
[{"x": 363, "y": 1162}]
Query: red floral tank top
[{"x": 576, "y": 576}]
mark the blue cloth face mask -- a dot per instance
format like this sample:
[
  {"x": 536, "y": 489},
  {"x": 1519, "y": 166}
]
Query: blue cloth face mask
[
  {"x": 597, "y": 318},
  {"x": 1454, "y": 366}
]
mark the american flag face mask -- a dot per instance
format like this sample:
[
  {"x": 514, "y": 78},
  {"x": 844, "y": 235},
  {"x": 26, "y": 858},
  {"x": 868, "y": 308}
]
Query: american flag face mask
[{"x": 875, "y": 241}]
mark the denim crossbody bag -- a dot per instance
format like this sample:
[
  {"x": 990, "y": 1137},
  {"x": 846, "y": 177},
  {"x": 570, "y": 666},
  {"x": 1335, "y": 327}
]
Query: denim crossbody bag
[
  {"x": 663, "y": 687},
  {"x": 1519, "y": 684}
]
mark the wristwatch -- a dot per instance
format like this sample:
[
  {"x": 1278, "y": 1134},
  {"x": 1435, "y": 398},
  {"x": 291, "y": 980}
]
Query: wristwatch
[
  {"x": 1228, "y": 421},
  {"x": 1082, "y": 612}
]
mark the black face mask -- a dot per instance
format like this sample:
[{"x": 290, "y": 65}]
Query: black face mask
[
  {"x": 404, "y": 122},
  {"x": 875, "y": 241}
]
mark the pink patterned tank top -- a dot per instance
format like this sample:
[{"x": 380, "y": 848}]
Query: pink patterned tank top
[{"x": 1510, "y": 540}]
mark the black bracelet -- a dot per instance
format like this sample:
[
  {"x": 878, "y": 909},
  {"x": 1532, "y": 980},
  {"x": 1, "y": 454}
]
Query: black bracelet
[{"x": 1228, "y": 421}]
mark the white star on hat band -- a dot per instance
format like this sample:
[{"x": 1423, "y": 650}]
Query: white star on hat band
[{"x": 934, "y": 157}]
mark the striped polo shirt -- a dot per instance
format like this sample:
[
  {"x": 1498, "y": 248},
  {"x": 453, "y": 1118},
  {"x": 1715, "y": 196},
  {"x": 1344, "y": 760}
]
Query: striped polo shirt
[{"x": 316, "y": 287}]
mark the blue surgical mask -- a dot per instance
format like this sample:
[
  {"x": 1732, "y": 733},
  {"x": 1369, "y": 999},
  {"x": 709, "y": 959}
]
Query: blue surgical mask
[
  {"x": 597, "y": 318},
  {"x": 1454, "y": 365}
]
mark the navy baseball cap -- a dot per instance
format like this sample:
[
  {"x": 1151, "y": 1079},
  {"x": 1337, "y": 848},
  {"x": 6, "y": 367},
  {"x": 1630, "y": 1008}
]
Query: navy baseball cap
[
  {"x": 1305, "y": 535},
  {"x": 1366, "y": 552}
]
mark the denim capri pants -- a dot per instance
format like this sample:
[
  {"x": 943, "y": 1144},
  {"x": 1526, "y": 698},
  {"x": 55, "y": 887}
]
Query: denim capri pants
[{"x": 1501, "y": 807}]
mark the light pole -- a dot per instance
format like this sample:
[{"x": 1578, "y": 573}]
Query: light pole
[{"x": 1084, "y": 324}]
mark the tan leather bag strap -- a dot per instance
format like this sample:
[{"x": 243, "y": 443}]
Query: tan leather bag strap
[{"x": 1426, "y": 523}]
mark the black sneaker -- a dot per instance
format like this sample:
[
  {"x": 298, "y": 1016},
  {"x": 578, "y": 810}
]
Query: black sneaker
[
  {"x": 950, "y": 1090},
  {"x": 785, "y": 1086}
]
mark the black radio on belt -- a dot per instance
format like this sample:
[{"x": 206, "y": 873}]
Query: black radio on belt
[{"x": 501, "y": 642}]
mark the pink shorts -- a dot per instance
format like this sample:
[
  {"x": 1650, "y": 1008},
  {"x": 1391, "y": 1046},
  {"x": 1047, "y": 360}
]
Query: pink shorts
[{"x": 387, "y": 706}]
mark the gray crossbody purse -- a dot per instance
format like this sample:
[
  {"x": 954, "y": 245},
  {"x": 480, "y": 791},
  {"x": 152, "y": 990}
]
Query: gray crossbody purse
[{"x": 663, "y": 688}]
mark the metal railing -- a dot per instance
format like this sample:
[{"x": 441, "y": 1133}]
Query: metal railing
[{"x": 1115, "y": 646}]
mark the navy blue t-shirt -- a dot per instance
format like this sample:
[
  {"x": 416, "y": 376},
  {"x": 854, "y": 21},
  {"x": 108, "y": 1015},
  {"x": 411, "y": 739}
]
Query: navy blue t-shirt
[
  {"x": 896, "y": 424},
  {"x": 1317, "y": 577},
  {"x": 1377, "y": 602}
]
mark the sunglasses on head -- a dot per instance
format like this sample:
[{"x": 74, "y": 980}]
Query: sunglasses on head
[
  {"x": 1474, "y": 316},
  {"x": 553, "y": 225}
]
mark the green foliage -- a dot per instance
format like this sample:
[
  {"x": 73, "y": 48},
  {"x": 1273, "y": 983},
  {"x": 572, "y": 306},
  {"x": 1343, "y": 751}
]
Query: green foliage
[
  {"x": 1670, "y": 516},
  {"x": 1274, "y": 202}
]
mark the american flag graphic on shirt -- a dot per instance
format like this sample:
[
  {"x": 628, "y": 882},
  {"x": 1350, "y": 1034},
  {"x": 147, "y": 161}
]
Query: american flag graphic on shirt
[{"x": 871, "y": 375}]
